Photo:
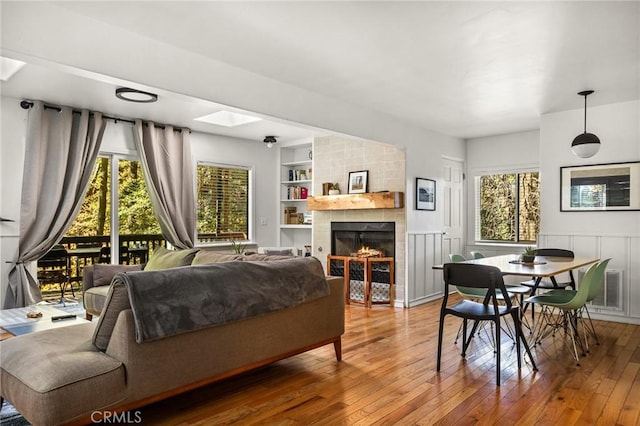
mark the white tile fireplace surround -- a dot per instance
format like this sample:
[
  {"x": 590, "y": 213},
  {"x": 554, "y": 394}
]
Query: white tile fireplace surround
[{"x": 333, "y": 158}]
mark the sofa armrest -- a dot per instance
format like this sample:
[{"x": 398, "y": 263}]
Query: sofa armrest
[{"x": 87, "y": 278}]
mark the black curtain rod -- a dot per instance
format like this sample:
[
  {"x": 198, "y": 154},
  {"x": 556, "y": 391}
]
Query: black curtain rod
[{"x": 28, "y": 104}]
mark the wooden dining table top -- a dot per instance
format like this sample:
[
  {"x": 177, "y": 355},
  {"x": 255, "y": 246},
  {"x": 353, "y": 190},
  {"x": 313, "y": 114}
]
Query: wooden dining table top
[{"x": 543, "y": 266}]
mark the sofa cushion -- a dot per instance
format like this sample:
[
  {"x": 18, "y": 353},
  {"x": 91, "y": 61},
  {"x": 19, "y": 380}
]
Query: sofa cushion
[
  {"x": 117, "y": 301},
  {"x": 167, "y": 259},
  {"x": 206, "y": 257},
  {"x": 48, "y": 375},
  {"x": 93, "y": 299},
  {"x": 103, "y": 273}
]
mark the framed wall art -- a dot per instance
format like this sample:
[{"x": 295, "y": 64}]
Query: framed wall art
[
  {"x": 600, "y": 187},
  {"x": 358, "y": 182},
  {"x": 425, "y": 194}
]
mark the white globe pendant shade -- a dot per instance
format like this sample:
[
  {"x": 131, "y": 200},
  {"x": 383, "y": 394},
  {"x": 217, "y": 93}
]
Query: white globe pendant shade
[{"x": 585, "y": 145}]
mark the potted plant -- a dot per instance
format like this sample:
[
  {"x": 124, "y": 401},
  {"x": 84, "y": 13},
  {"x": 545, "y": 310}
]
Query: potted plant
[
  {"x": 238, "y": 248},
  {"x": 528, "y": 255}
]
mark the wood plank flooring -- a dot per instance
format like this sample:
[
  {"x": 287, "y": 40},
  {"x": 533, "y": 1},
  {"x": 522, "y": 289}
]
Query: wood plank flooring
[{"x": 387, "y": 376}]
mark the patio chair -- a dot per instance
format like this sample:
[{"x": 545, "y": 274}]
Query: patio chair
[
  {"x": 53, "y": 268},
  {"x": 488, "y": 279}
]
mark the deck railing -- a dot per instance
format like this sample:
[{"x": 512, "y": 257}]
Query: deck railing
[{"x": 88, "y": 250}]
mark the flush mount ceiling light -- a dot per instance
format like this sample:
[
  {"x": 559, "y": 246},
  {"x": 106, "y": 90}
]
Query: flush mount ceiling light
[
  {"x": 269, "y": 140},
  {"x": 585, "y": 145},
  {"x": 133, "y": 95}
]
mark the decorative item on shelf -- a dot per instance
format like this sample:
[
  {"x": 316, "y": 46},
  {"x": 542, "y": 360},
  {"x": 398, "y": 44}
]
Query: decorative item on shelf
[
  {"x": 310, "y": 154},
  {"x": 334, "y": 189},
  {"x": 528, "y": 255},
  {"x": 585, "y": 145},
  {"x": 289, "y": 214},
  {"x": 326, "y": 186},
  {"x": 309, "y": 174},
  {"x": 425, "y": 194},
  {"x": 307, "y": 250},
  {"x": 358, "y": 182},
  {"x": 308, "y": 218},
  {"x": 303, "y": 193}
]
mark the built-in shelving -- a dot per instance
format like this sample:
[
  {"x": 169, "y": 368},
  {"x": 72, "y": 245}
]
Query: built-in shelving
[{"x": 296, "y": 184}]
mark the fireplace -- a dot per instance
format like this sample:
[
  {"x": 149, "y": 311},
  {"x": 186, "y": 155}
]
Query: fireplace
[
  {"x": 348, "y": 238},
  {"x": 364, "y": 253}
]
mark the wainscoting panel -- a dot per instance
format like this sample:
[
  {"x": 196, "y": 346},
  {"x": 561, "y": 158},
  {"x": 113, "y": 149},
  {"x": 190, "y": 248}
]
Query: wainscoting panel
[
  {"x": 424, "y": 250},
  {"x": 623, "y": 271}
]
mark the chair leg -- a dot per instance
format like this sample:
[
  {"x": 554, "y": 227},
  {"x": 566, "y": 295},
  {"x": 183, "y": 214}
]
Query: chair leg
[
  {"x": 440, "y": 333},
  {"x": 573, "y": 331},
  {"x": 591, "y": 328},
  {"x": 497, "y": 325}
]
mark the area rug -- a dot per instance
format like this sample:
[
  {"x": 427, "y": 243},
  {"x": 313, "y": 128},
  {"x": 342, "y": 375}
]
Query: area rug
[{"x": 10, "y": 417}]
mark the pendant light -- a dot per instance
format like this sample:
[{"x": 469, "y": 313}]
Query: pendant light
[{"x": 585, "y": 145}]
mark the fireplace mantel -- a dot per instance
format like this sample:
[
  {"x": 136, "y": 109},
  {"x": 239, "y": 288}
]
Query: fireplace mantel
[{"x": 372, "y": 200}]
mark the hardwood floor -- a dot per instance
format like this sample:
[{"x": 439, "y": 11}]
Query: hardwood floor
[{"x": 387, "y": 376}]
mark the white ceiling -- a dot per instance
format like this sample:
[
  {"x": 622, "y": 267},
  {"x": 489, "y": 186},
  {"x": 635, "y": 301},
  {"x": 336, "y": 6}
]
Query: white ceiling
[{"x": 466, "y": 69}]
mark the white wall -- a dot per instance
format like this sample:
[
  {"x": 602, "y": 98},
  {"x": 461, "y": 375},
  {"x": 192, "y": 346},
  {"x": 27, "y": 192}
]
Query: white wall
[
  {"x": 118, "y": 139},
  {"x": 598, "y": 234},
  {"x": 497, "y": 154},
  {"x": 618, "y": 127}
]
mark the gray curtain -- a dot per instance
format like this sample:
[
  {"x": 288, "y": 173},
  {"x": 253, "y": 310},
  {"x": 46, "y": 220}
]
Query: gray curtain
[
  {"x": 165, "y": 154},
  {"x": 61, "y": 150}
]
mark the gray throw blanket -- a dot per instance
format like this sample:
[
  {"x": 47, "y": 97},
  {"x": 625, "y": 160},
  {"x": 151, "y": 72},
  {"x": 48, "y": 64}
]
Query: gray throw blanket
[{"x": 172, "y": 301}]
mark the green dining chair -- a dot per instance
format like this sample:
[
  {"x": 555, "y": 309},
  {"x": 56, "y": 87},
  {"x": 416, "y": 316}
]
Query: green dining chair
[
  {"x": 561, "y": 311},
  {"x": 594, "y": 291},
  {"x": 477, "y": 255}
]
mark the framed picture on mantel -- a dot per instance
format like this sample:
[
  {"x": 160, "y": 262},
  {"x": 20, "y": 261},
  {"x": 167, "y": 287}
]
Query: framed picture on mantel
[
  {"x": 358, "y": 182},
  {"x": 425, "y": 194}
]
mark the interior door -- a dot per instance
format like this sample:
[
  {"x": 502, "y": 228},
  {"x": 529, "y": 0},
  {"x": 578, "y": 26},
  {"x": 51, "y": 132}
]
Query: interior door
[{"x": 453, "y": 200}]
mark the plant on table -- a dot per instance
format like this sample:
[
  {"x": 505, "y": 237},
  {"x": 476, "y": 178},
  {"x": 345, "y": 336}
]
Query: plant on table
[{"x": 528, "y": 255}]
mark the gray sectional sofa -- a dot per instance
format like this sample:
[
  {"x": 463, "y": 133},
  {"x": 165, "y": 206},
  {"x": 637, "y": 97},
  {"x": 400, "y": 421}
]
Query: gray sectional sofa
[{"x": 75, "y": 374}]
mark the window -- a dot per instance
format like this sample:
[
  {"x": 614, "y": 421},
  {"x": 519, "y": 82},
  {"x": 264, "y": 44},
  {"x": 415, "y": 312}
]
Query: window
[
  {"x": 223, "y": 202},
  {"x": 508, "y": 207},
  {"x": 121, "y": 202}
]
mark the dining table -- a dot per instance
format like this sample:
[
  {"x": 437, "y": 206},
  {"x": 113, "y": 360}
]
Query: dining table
[{"x": 542, "y": 266}]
